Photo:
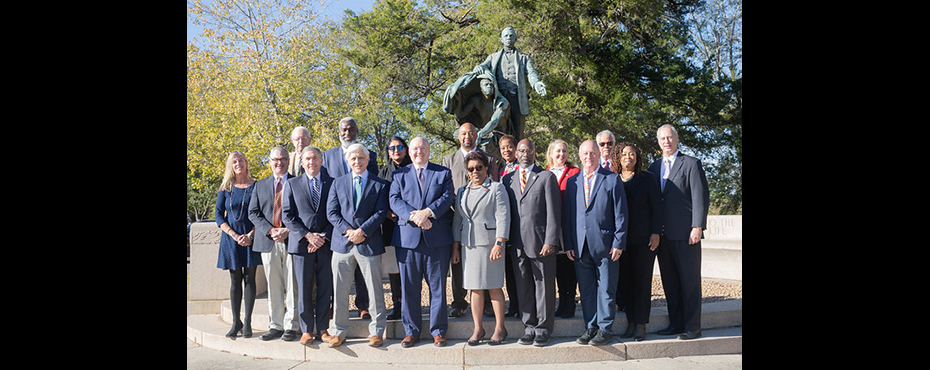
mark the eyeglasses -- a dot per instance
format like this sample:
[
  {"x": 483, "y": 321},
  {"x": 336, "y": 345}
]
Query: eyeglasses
[
  {"x": 277, "y": 159},
  {"x": 476, "y": 168},
  {"x": 606, "y": 143},
  {"x": 397, "y": 147}
]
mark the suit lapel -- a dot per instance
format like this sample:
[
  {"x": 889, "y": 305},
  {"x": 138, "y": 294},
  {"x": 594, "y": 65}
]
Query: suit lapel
[
  {"x": 598, "y": 179},
  {"x": 530, "y": 180}
]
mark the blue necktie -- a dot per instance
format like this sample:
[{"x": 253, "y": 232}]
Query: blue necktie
[
  {"x": 315, "y": 194},
  {"x": 358, "y": 190}
]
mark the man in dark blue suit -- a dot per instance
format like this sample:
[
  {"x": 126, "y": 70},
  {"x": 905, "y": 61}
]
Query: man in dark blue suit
[
  {"x": 594, "y": 222},
  {"x": 304, "y": 209},
  {"x": 356, "y": 207},
  {"x": 336, "y": 165},
  {"x": 421, "y": 196},
  {"x": 685, "y": 201}
]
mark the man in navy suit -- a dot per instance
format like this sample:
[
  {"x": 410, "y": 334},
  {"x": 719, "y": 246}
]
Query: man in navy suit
[
  {"x": 265, "y": 212},
  {"x": 356, "y": 207},
  {"x": 421, "y": 196},
  {"x": 685, "y": 200},
  {"x": 336, "y": 165},
  {"x": 304, "y": 209},
  {"x": 594, "y": 224}
]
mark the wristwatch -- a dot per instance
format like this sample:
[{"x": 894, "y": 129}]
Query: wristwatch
[{"x": 499, "y": 243}]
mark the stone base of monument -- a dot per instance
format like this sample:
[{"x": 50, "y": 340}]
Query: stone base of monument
[{"x": 721, "y": 334}]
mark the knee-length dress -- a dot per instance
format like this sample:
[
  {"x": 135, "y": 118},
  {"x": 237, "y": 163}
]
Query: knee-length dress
[{"x": 232, "y": 207}]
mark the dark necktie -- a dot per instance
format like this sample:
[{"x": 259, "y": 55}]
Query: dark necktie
[{"x": 315, "y": 193}]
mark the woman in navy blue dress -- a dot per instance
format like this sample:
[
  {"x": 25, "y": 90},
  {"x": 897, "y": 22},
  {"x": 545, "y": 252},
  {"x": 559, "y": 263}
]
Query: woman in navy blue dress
[{"x": 235, "y": 252}]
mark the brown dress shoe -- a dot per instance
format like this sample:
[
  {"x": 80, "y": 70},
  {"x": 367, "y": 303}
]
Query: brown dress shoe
[
  {"x": 409, "y": 341},
  {"x": 375, "y": 341},
  {"x": 324, "y": 336},
  {"x": 306, "y": 338},
  {"x": 336, "y": 341},
  {"x": 439, "y": 340}
]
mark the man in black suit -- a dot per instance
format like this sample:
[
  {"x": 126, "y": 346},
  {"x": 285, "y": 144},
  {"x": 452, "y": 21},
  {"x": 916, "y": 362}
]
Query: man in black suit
[
  {"x": 536, "y": 217},
  {"x": 265, "y": 212},
  {"x": 685, "y": 199}
]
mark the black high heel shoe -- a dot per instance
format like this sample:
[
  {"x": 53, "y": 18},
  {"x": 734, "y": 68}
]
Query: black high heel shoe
[
  {"x": 235, "y": 329},
  {"x": 493, "y": 342},
  {"x": 474, "y": 342},
  {"x": 247, "y": 330},
  {"x": 640, "y": 332}
]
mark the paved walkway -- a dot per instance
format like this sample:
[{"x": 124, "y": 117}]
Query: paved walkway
[{"x": 203, "y": 358}]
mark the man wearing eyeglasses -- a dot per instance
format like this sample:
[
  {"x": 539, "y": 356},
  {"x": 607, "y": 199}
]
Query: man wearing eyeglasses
[
  {"x": 468, "y": 139},
  {"x": 536, "y": 219},
  {"x": 605, "y": 142}
]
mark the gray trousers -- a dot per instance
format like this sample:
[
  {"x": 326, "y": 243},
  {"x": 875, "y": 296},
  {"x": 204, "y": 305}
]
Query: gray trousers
[
  {"x": 282, "y": 288},
  {"x": 344, "y": 278}
]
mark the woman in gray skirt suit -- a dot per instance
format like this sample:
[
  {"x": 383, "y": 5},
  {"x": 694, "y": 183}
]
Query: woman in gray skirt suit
[{"x": 480, "y": 227}]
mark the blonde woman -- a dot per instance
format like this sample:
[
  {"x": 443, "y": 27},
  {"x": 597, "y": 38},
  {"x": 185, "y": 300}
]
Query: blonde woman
[
  {"x": 557, "y": 162},
  {"x": 235, "y": 251}
]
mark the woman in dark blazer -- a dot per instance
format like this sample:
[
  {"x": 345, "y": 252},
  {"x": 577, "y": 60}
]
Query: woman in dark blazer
[
  {"x": 235, "y": 252},
  {"x": 397, "y": 157},
  {"x": 645, "y": 219}
]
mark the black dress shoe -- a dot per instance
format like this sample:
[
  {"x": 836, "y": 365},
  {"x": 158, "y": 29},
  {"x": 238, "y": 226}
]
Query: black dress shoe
[
  {"x": 527, "y": 339},
  {"x": 395, "y": 314},
  {"x": 456, "y": 312},
  {"x": 601, "y": 338},
  {"x": 272, "y": 334},
  {"x": 247, "y": 330},
  {"x": 690, "y": 335},
  {"x": 669, "y": 331},
  {"x": 541, "y": 340},
  {"x": 586, "y": 337},
  {"x": 290, "y": 335}
]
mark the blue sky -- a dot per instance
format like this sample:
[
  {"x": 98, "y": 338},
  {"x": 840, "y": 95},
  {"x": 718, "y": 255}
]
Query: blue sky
[{"x": 331, "y": 9}]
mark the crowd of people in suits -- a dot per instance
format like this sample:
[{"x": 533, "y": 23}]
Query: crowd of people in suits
[{"x": 325, "y": 221}]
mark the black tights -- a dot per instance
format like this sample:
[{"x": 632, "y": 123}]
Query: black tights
[{"x": 237, "y": 278}]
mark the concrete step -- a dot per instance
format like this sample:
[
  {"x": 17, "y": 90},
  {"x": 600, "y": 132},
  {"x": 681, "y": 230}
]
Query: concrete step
[{"x": 721, "y": 334}]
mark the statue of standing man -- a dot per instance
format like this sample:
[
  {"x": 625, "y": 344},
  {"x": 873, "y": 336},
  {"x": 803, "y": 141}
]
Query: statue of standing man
[{"x": 515, "y": 74}]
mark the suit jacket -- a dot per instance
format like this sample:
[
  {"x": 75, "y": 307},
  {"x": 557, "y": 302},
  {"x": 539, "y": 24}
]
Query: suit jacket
[
  {"x": 487, "y": 221},
  {"x": 405, "y": 197},
  {"x": 603, "y": 222},
  {"x": 525, "y": 71},
  {"x": 372, "y": 208},
  {"x": 261, "y": 212},
  {"x": 455, "y": 162},
  {"x": 299, "y": 215},
  {"x": 644, "y": 204},
  {"x": 686, "y": 198},
  {"x": 536, "y": 212},
  {"x": 335, "y": 162},
  {"x": 293, "y": 164}
]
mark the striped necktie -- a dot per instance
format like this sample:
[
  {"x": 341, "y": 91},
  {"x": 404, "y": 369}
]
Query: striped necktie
[
  {"x": 587, "y": 188},
  {"x": 522, "y": 180},
  {"x": 315, "y": 193},
  {"x": 276, "y": 217}
]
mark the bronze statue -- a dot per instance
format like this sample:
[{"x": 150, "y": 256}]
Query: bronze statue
[{"x": 512, "y": 73}]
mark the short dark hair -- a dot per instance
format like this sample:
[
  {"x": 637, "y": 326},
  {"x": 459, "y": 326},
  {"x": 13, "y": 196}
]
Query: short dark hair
[{"x": 476, "y": 156}]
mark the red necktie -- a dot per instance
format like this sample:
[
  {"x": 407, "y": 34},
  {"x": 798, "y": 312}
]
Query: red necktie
[{"x": 276, "y": 218}]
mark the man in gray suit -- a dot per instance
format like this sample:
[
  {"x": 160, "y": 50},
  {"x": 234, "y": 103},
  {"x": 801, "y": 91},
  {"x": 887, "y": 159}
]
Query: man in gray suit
[
  {"x": 515, "y": 75},
  {"x": 536, "y": 218},
  {"x": 685, "y": 198},
  {"x": 265, "y": 212},
  {"x": 468, "y": 139}
]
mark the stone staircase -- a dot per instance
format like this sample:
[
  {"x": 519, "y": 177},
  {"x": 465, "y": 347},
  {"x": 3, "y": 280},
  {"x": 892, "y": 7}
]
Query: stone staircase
[{"x": 721, "y": 334}]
